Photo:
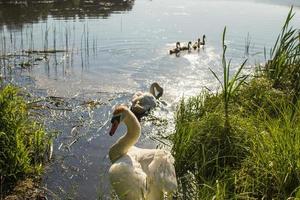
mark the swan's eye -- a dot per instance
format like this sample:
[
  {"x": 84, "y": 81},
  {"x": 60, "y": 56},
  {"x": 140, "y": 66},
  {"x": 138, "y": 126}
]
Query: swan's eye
[{"x": 116, "y": 118}]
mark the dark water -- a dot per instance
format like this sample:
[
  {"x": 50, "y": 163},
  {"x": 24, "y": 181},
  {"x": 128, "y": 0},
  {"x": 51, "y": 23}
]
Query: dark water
[{"x": 115, "y": 48}]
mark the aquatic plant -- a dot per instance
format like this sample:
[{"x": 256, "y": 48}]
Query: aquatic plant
[
  {"x": 247, "y": 45},
  {"x": 23, "y": 140}
]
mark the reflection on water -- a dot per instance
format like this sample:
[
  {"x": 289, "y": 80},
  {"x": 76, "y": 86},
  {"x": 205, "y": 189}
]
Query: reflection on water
[
  {"x": 16, "y": 13},
  {"x": 104, "y": 61}
]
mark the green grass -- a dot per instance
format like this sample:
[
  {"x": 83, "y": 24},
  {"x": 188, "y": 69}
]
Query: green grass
[
  {"x": 243, "y": 142},
  {"x": 22, "y": 140},
  {"x": 229, "y": 84},
  {"x": 272, "y": 169},
  {"x": 283, "y": 67}
]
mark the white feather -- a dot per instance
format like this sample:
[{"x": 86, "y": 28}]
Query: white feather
[{"x": 138, "y": 173}]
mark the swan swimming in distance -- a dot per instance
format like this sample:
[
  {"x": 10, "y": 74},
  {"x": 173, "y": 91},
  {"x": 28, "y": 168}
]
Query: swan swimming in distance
[
  {"x": 142, "y": 102},
  {"x": 188, "y": 47},
  {"x": 177, "y": 48},
  {"x": 197, "y": 44},
  {"x": 136, "y": 173},
  {"x": 203, "y": 41}
]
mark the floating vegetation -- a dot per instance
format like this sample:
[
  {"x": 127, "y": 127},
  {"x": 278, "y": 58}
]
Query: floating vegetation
[
  {"x": 26, "y": 64},
  {"x": 248, "y": 41},
  {"x": 92, "y": 103},
  {"x": 45, "y": 51},
  {"x": 21, "y": 50}
]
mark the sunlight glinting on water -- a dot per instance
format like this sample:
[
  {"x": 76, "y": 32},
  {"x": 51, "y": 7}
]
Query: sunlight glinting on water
[{"x": 114, "y": 51}]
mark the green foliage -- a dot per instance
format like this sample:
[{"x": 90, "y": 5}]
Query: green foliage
[
  {"x": 229, "y": 85},
  {"x": 257, "y": 96},
  {"x": 272, "y": 169},
  {"x": 203, "y": 146},
  {"x": 257, "y": 156},
  {"x": 284, "y": 66},
  {"x": 22, "y": 140}
]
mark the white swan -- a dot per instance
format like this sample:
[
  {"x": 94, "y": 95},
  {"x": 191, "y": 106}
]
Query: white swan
[
  {"x": 143, "y": 102},
  {"x": 138, "y": 174}
]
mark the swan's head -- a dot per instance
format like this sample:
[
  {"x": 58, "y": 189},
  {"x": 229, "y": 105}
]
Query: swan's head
[
  {"x": 203, "y": 37},
  {"x": 199, "y": 40},
  {"x": 177, "y": 44},
  {"x": 119, "y": 115}
]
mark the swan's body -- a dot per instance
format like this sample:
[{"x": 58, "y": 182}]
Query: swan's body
[
  {"x": 177, "y": 48},
  {"x": 138, "y": 174},
  {"x": 188, "y": 47},
  {"x": 145, "y": 101}
]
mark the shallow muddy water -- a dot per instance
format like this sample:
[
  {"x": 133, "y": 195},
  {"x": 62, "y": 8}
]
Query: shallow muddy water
[{"x": 113, "y": 49}]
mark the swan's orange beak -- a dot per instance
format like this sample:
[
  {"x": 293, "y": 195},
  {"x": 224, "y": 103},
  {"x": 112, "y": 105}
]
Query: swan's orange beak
[{"x": 114, "y": 127}]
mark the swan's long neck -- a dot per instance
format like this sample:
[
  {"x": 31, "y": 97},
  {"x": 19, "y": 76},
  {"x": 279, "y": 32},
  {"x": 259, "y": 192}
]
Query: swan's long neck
[
  {"x": 122, "y": 146},
  {"x": 152, "y": 91},
  {"x": 158, "y": 88}
]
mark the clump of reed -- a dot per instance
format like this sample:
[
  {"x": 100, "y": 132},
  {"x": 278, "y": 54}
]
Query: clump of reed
[
  {"x": 283, "y": 67},
  {"x": 23, "y": 141},
  {"x": 205, "y": 142},
  {"x": 243, "y": 142},
  {"x": 229, "y": 85},
  {"x": 247, "y": 45}
]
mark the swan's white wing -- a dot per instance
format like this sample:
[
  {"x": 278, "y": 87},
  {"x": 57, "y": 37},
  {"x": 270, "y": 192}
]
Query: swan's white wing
[
  {"x": 128, "y": 179},
  {"x": 162, "y": 171}
]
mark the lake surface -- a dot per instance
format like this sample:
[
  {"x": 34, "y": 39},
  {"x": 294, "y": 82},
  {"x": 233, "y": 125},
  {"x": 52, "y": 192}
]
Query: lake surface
[{"x": 115, "y": 48}]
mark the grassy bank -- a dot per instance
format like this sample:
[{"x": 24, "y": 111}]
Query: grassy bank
[
  {"x": 243, "y": 142},
  {"x": 22, "y": 140}
]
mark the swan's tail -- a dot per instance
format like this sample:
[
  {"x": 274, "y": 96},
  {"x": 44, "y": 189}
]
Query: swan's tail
[{"x": 163, "y": 172}]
